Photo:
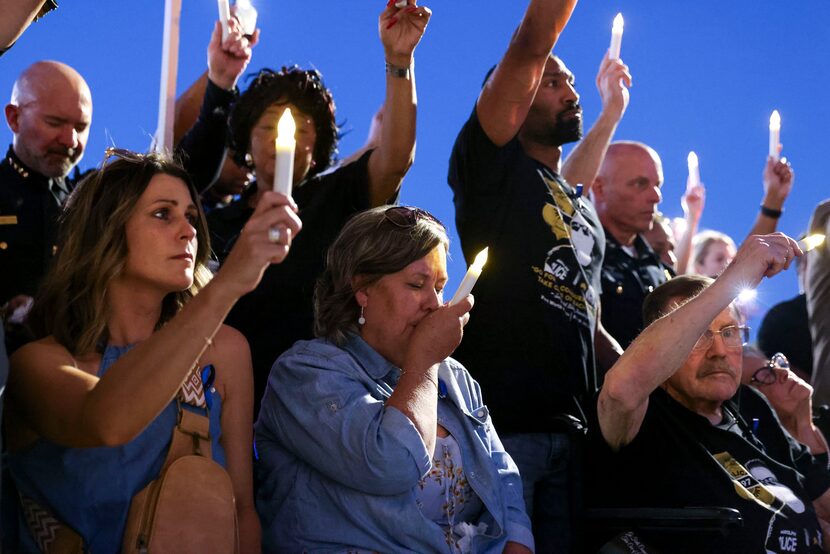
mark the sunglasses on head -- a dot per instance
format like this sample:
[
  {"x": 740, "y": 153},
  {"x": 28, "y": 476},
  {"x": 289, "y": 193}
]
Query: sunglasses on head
[{"x": 406, "y": 217}]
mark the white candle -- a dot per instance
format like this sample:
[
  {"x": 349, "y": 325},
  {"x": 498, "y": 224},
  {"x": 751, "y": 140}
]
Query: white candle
[
  {"x": 774, "y": 133},
  {"x": 284, "y": 161},
  {"x": 810, "y": 242},
  {"x": 246, "y": 14},
  {"x": 616, "y": 38},
  {"x": 224, "y": 16},
  {"x": 163, "y": 140},
  {"x": 694, "y": 170},
  {"x": 470, "y": 278}
]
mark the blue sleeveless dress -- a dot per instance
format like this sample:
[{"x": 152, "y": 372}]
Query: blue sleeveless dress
[{"x": 90, "y": 489}]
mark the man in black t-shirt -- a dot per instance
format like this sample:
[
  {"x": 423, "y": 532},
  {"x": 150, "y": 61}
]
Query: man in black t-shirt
[
  {"x": 626, "y": 192},
  {"x": 531, "y": 340},
  {"x": 672, "y": 432}
]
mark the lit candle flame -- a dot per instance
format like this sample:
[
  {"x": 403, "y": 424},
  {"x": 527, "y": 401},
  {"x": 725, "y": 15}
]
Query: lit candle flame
[
  {"x": 286, "y": 129},
  {"x": 481, "y": 259},
  {"x": 470, "y": 278},
  {"x": 775, "y": 121},
  {"x": 810, "y": 242},
  {"x": 618, "y": 23},
  {"x": 692, "y": 160}
]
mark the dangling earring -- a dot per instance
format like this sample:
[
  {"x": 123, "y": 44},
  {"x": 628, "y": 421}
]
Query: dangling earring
[
  {"x": 361, "y": 320},
  {"x": 249, "y": 159}
]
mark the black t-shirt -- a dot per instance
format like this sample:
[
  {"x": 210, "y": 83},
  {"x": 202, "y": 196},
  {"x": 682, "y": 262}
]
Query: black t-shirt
[
  {"x": 279, "y": 311},
  {"x": 530, "y": 340},
  {"x": 672, "y": 463},
  {"x": 626, "y": 281}
]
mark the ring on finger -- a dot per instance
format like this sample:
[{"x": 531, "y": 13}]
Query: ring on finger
[{"x": 274, "y": 235}]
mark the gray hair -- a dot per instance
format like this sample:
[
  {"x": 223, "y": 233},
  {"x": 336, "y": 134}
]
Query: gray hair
[{"x": 369, "y": 247}]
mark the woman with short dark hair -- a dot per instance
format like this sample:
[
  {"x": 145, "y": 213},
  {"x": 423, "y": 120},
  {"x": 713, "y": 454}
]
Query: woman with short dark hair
[
  {"x": 327, "y": 197},
  {"x": 371, "y": 438}
]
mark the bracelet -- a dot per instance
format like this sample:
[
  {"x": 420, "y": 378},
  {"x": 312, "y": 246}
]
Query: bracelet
[
  {"x": 769, "y": 212},
  {"x": 434, "y": 382},
  {"x": 399, "y": 72}
]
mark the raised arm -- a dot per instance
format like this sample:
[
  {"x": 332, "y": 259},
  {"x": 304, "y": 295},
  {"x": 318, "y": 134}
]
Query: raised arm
[
  {"x": 204, "y": 129},
  {"x": 778, "y": 182},
  {"x": 75, "y": 408},
  {"x": 693, "y": 203},
  {"x": 400, "y": 31},
  {"x": 17, "y": 15},
  {"x": 582, "y": 165},
  {"x": 506, "y": 97},
  {"x": 663, "y": 346}
]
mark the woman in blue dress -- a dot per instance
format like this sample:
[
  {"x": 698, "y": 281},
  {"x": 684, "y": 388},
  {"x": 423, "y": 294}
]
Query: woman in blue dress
[{"x": 120, "y": 332}]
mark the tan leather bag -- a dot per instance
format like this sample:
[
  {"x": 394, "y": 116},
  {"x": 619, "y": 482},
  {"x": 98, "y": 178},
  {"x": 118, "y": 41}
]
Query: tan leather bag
[{"x": 190, "y": 507}]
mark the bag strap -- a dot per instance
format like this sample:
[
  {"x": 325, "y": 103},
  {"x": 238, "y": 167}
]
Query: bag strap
[{"x": 191, "y": 435}]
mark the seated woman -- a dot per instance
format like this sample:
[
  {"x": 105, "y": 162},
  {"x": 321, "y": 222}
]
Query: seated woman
[
  {"x": 370, "y": 438},
  {"x": 124, "y": 342}
]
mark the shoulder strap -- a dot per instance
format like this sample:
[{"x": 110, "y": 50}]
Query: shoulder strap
[{"x": 191, "y": 435}]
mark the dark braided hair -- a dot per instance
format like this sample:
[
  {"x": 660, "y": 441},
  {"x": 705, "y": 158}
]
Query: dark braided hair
[{"x": 302, "y": 87}]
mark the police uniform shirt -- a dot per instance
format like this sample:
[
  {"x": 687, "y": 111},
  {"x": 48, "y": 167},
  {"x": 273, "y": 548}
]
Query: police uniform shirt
[
  {"x": 30, "y": 205},
  {"x": 626, "y": 281}
]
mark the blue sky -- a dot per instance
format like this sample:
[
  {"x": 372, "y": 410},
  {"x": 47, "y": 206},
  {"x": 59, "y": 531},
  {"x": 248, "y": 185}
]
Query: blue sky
[{"x": 706, "y": 74}]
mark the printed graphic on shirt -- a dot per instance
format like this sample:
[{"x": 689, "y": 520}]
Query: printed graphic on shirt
[
  {"x": 789, "y": 529},
  {"x": 565, "y": 285}
]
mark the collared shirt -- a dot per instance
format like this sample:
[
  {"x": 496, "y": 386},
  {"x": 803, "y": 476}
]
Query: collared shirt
[
  {"x": 30, "y": 205},
  {"x": 337, "y": 467},
  {"x": 626, "y": 281}
]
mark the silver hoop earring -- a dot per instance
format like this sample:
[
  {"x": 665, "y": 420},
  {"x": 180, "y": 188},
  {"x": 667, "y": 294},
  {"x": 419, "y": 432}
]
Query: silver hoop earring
[{"x": 361, "y": 320}]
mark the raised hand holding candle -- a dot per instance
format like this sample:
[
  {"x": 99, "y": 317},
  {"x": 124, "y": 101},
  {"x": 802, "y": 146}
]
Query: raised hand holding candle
[
  {"x": 774, "y": 134},
  {"x": 694, "y": 170},
  {"x": 810, "y": 242},
  {"x": 284, "y": 161},
  {"x": 470, "y": 278},
  {"x": 224, "y": 16},
  {"x": 616, "y": 38}
]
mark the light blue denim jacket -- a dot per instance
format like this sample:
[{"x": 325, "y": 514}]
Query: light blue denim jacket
[{"x": 337, "y": 469}]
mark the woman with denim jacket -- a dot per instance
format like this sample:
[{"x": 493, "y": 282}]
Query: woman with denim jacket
[{"x": 370, "y": 438}]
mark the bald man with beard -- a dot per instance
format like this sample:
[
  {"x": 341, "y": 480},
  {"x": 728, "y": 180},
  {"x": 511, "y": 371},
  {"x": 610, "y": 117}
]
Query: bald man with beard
[
  {"x": 49, "y": 113},
  {"x": 626, "y": 193}
]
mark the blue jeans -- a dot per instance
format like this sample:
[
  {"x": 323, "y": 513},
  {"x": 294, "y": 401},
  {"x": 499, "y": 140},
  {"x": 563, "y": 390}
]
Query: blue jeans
[{"x": 543, "y": 460}]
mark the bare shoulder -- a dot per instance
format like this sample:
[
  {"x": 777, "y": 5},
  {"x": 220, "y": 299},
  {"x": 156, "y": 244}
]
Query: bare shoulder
[
  {"x": 45, "y": 352},
  {"x": 229, "y": 349}
]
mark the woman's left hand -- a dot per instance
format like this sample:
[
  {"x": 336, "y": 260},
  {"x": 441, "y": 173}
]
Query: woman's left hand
[
  {"x": 438, "y": 335},
  {"x": 401, "y": 30}
]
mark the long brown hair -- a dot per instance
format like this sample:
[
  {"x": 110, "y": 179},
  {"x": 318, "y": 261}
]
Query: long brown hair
[{"x": 71, "y": 304}]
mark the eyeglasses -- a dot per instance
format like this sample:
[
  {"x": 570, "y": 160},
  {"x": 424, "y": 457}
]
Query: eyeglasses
[
  {"x": 733, "y": 337},
  {"x": 766, "y": 375},
  {"x": 406, "y": 217}
]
